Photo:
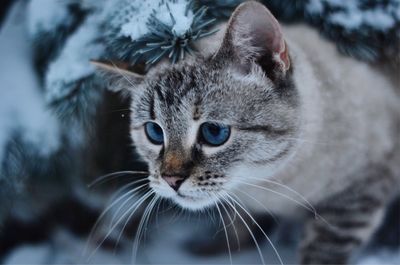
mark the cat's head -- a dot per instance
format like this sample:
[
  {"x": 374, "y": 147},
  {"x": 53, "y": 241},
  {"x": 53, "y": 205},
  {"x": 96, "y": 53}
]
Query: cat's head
[{"x": 208, "y": 125}]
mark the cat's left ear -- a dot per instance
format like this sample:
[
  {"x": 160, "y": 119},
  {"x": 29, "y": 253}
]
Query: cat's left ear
[
  {"x": 254, "y": 35},
  {"x": 117, "y": 76}
]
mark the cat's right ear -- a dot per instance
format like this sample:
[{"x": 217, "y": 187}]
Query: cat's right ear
[
  {"x": 117, "y": 77},
  {"x": 253, "y": 35}
]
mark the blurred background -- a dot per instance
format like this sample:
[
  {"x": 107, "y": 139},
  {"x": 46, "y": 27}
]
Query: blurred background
[{"x": 61, "y": 129}]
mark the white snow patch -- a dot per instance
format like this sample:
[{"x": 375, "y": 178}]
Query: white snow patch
[
  {"x": 384, "y": 257},
  {"x": 140, "y": 11},
  {"x": 348, "y": 20},
  {"x": 21, "y": 105},
  {"x": 378, "y": 18},
  {"x": 352, "y": 17},
  {"x": 314, "y": 6},
  {"x": 349, "y": 4},
  {"x": 74, "y": 61},
  {"x": 44, "y": 15},
  {"x": 29, "y": 254},
  {"x": 396, "y": 11}
]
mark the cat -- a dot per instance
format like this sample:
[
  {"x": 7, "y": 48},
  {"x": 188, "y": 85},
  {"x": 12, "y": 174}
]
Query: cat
[{"x": 270, "y": 116}]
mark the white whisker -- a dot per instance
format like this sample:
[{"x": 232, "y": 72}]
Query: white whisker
[
  {"x": 226, "y": 232},
  {"x": 233, "y": 225},
  {"x": 105, "y": 212},
  {"x": 248, "y": 229},
  {"x": 301, "y": 140},
  {"x": 123, "y": 188},
  {"x": 141, "y": 200},
  {"x": 310, "y": 207},
  {"x": 262, "y": 205},
  {"x": 153, "y": 204},
  {"x": 126, "y": 222},
  {"x": 110, "y": 176},
  {"x": 289, "y": 189},
  {"x": 140, "y": 228},
  {"x": 259, "y": 227},
  {"x": 158, "y": 210},
  {"x": 280, "y": 194},
  {"x": 123, "y": 204},
  {"x": 122, "y": 74}
]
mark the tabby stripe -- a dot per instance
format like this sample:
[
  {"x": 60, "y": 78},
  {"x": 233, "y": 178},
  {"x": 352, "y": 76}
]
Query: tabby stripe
[
  {"x": 315, "y": 254},
  {"x": 151, "y": 107},
  {"x": 196, "y": 112},
  {"x": 160, "y": 95},
  {"x": 188, "y": 87},
  {"x": 351, "y": 224},
  {"x": 266, "y": 129},
  {"x": 319, "y": 258},
  {"x": 355, "y": 207},
  {"x": 278, "y": 156},
  {"x": 327, "y": 236}
]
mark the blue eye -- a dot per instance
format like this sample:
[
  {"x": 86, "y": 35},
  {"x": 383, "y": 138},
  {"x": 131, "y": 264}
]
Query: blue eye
[
  {"x": 214, "y": 134},
  {"x": 154, "y": 132}
]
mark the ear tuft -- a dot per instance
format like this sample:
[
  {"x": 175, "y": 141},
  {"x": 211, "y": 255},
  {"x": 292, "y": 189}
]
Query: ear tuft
[
  {"x": 117, "y": 75},
  {"x": 253, "y": 34}
]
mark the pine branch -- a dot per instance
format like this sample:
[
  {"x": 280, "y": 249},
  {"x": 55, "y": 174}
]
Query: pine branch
[{"x": 162, "y": 41}]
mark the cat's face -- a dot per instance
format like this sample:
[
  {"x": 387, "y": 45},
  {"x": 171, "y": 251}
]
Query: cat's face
[
  {"x": 210, "y": 128},
  {"x": 206, "y": 126}
]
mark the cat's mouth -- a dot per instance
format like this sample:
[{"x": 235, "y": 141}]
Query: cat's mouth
[
  {"x": 192, "y": 202},
  {"x": 186, "y": 198},
  {"x": 189, "y": 197}
]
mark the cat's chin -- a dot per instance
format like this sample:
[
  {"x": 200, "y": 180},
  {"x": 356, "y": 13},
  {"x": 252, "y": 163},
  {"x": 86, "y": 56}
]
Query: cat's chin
[{"x": 192, "y": 203}]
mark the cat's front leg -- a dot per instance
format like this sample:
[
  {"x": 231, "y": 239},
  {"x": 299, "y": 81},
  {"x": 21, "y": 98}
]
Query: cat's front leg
[
  {"x": 346, "y": 222},
  {"x": 333, "y": 241}
]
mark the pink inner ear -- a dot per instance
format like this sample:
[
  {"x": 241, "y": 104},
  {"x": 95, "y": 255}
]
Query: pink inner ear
[{"x": 284, "y": 57}]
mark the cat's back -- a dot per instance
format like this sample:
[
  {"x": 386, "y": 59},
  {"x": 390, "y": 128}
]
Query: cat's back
[{"x": 358, "y": 108}]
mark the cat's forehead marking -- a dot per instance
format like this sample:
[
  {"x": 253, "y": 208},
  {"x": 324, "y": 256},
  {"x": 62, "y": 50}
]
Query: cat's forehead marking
[
  {"x": 151, "y": 106},
  {"x": 196, "y": 109},
  {"x": 182, "y": 86}
]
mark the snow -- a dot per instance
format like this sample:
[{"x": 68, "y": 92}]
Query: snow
[
  {"x": 396, "y": 11},
  {"x": 22, "y": 108},
  {"x": 384, "y": 257},
  {"x": 352, "y": 17},
  {"x": 350, "y": 4},
  {"x": 348, "y": 20},
  {"x": 128, "y": 17},
  {"x": 44, "y": 15},
  {"x": 314, "y": 6},
  {"x": 135, "y": 24},
  {"x": 36, "y": 254},
  {"x": 379, "y": 19},
  {"x": 73, "y": 63}
]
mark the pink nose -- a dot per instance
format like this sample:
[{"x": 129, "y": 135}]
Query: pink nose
[{"x": 174, "y": 181}]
